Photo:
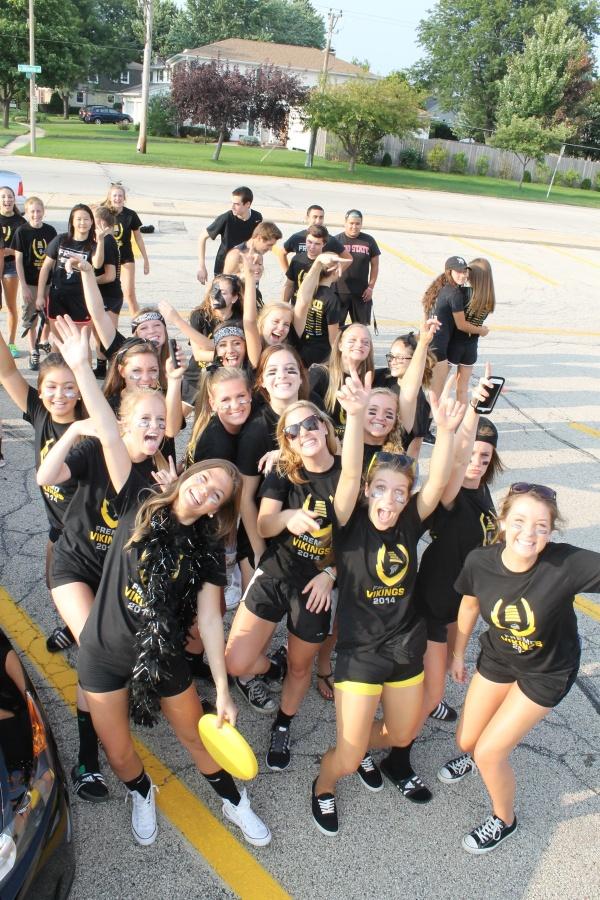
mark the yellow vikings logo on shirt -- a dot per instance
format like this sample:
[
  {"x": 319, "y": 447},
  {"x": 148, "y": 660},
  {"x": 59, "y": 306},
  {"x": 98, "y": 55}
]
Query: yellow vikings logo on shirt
[
  {"x": 489, "y": 527},
  {"x": 317, "y": 544},
  {"x": 39, "y": 251},
  {"x": 519, "y": 621},
  {"x": 391, "y": 566},
  {"x": 118, "y": 233}
]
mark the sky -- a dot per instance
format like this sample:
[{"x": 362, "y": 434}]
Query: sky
[{"x": 386, "y": 36}]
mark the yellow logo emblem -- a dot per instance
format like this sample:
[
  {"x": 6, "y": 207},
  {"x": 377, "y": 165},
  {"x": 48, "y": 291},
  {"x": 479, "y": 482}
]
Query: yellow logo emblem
[
  {"x": 391, "y": 566},
  {"x": 106, "y": 516},
  {"x": 518, "y": 617}
]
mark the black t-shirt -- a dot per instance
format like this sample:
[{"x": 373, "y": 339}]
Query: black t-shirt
[
  {"x": 362, "y": 249},
  {"x": 67, "y": 286},
  {"x": 9, "y": 225},
  {"x": 454, "y": 533},
  {"x": 422, "y": 412},
  {"x": 118, "y": 610},
  {"x": 297, "y": 269},
  {"x": 376, "y": 574},
  {"x": 532, "y": 620},
  {"x": 204, "y": 323},
  {"x": 91, "y": 519},
  {"x": 296, "y": 243},
  {"x": 256, "y": 438},
  {"x": 233, "y": 231},
  {"x": 116, "y": 344},
  {"x": 450, "y": 300},
  {"x": 324, "y": 310},
  {"x": 127, "y": 221},
  {"x": 112, "y": 290},
  {"x": 215, "y": 442},
  {"x": 32, "y": 243},
  {"x": 299, "y": 558},
  {"x": 318, "y": 376},
  {"x": 56, "y": 497}
]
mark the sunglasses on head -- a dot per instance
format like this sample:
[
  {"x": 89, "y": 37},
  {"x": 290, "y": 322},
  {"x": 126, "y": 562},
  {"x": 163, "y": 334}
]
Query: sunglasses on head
[
  {"x": 523, "y": 487},
  {"x": 310, "y": 423},
  {"x": 403, "y": 460},
  {"x": 135, "y": 344}
]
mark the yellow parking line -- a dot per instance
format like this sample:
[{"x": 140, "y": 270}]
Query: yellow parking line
[
  {"x": 584, "y": 605},
  {"x": 513, "y": 329},
  {"x": 505, "y": 259},
  {"x": 229, "y": 859},
  {"x": 579, "y": 259},
  {"x": 408, "y": 259},
  {"x": 587, "y": 429}
]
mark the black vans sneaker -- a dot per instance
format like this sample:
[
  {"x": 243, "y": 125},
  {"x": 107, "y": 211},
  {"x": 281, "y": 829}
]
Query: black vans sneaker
[
  {"x": 278, "y": 754},
  {"x": 369, "y": 774},
  {"x": 257, "y": 695},
  {"x": 279, "y": 659},
  {"x": 456, "y": 769},
  {"x": 487, "y": 836},
  {"x": 444, "y": 712},
  {"x": 324, "y": 812}
]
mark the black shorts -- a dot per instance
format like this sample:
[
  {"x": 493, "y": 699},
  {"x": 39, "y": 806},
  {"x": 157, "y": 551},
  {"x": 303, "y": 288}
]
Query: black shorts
[
  {"x": 53, "y": 534},
  {"x": 10, "y": 267},
  {"x": 74, "y": 307},
  {"x": 462, "y": 351},
  {"x": 126, "y": 255},
  {"x": 100, "y": 673},
  {"x": 359, "y": 310},
  {"x": 544, "y": 688},
  {"x": 437, "y": 630},
  {"x": 272, "y": 599},
  {"x": 439, "y": 345},
  {"x": 67, "y": 568},
  {"x": 369, "y": 667},
  {"x": 113, "y": 304}
]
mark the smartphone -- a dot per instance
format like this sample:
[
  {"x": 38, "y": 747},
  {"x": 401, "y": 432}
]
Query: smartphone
[
  {"x": 173, "y": 352},
  {"x": 486, "y": 406}
]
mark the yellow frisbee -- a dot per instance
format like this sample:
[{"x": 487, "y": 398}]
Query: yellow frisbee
[{"x": 227, "y": 747}]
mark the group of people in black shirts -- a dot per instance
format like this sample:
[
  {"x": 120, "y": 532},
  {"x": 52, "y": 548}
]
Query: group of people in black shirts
[{"x": 299, "y": 479}]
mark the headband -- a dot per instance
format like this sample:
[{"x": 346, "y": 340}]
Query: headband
[
  {"x": 228, "y": 331},
  {"x": 152, "y": 316}
]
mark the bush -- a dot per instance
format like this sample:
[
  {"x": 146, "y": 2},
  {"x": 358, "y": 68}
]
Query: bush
[
  {"x": 571, "y": 178},
  {"x": 597, "y": 181},
  {"x": 437, "y": 159},
  {"x": 249, "y": 140},
  {"x": 386, "y": 160},
  {"x": 482, "y": 165},
  {"x": 542, "y": 172},
  {"x": 124, "y": 126},
  {"x": 55, "y": 105},
  {"x": 162, "y": 117},
  {"x": 409, "y": 158},
  {"x": 559, "y": 178},
  {"x": 459, "y": 163},
  {"x": 586, "y": 184},
  {"x": 526, "y": 177},
  {"x": 505, "y": 170}
]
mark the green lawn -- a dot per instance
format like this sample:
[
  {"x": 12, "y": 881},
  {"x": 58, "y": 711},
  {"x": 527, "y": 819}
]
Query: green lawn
[
  {"x": 106, "y": 143},
  {"x": 9, "y": 134}
]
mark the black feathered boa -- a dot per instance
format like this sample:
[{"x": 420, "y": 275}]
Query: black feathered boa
[{"x": 171, "y": 605}]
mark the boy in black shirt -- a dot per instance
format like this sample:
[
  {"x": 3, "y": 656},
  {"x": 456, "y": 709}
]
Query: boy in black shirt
[
  {"x": 315, "y": 241},
  {"x": 296, "y": 243},
  {"x": 234, "y": 227},
  {"x": 317, "y": 312},
  {"x": 355, "y": 287},
  {"x": 29, "y": 243}
]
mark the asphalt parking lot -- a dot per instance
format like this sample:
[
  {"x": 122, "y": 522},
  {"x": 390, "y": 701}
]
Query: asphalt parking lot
[{"x": 544, "y": 339}]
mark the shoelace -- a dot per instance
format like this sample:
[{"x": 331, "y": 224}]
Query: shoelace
[
  {"x": 367, "y": 764},
  {"x": 280, "y": 739},
  {"x": 327, "y": 805},
  {"x": 462, "y": 764},
  {"x": 257, "y": 692},
  {"x": 490, "y": 830}
]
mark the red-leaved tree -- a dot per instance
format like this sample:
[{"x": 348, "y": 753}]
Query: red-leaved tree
[
  {"x": 274, "y": 92},
  {"x": 213, "y": 95}
]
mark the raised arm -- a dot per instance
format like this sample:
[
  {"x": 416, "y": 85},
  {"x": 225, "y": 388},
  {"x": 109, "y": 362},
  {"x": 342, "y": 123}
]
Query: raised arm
[
  {"x": 253, "y": 341},
  {"x": 73, "y": 344},
  {"x": 464, "y": 440},
  {"x": 353, "y": 397},
  {"x": 12, "y": 381},
  {"x": 172, "y": 317},
  {"x": 413, "y": 377},
  {"x": 307, "y": 291},
  {"x": 104, "y": 325},
  {"x": 447, "y": 414},
  {"x": 173, "y": 399}
]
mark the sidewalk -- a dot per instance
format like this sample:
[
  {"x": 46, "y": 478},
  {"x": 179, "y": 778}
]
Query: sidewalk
[{"x": 21, "y": 141}]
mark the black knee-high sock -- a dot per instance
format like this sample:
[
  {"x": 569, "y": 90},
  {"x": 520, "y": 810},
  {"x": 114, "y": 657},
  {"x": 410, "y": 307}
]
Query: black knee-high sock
[
  {"x": 282, "y": 719},
  {"x": 398, "y": 761},
  {"x": 88, "y": 742},
  {"x": 141, "y": 784},
  {"x": 224, "y": 785}
]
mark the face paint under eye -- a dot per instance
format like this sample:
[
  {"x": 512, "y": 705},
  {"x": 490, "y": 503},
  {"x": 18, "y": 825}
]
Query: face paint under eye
[
  {"x": 147, "y": 423},
  {"x": 539, "y": 530},
  {"x": 377, "y": 493},
  {"x": 67, "y": 393}
]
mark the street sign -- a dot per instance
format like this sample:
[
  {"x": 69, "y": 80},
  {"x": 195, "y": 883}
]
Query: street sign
[{"x": 24, "y": 67}]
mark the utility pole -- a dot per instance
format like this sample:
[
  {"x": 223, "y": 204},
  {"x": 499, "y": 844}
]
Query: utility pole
[
  {"x": 333, "y": 19},
  {"x": 147, "y": 6},
  {"x": 32, "y": 94}
]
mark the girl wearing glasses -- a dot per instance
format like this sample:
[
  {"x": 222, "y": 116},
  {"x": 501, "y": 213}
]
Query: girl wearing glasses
[
  {"x": 50, "y": 410},
  {"x": 381, "y": 638},
  {"x": 91, "y": 520},
  {"x": 127, "y": 224},
  {"x": 400, "y": 364},
  {"x": 523, "y": 587},
  {"x": 294, "y": 579}
]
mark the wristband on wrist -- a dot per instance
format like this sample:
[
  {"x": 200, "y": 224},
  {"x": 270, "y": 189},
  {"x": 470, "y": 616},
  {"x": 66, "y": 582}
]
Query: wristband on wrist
[
  {"x": 460, "y": 656},
  {"x": 331, "y": 573}
]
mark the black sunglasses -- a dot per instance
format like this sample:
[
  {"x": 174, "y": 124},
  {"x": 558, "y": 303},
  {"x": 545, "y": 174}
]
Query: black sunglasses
[
  {"x": 402, "y": 460},
  {"x": 310, "y": 423},
  {"x": 523, "y": 487}
]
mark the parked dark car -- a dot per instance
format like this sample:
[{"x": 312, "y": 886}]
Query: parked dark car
[
  {"x": 37, "y": 860},
  {"x": 100, "y": 115}
]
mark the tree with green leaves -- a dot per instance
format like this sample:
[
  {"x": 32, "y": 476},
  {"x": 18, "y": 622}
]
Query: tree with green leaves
[
  {"x": 529, "y": 139},
  {"x": 166, "y": 28},
  {"x": 360, "y": 113},
  {"x": 468, "y": 44},
  {"x": 538, "y": 79}
]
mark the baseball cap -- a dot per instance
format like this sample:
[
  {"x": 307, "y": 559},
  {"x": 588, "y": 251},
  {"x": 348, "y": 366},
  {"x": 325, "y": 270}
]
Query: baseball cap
[
  {"x": 458, "y": 263},
  {"x": 487, "y": 432}
]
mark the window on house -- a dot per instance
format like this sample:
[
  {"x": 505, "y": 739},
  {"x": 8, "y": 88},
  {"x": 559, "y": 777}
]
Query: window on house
[
  {"x": 93, "y": 79},
  {"x": 110, "y": 98},
  {"x": 79, "y": 97},
  {"x": 125, "y": 77}
]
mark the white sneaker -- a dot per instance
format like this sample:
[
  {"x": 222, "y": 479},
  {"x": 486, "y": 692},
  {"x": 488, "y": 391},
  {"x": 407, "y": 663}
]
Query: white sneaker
[
  {"x": 254, "y": 829},
  {"x": 143, "y": 816}
]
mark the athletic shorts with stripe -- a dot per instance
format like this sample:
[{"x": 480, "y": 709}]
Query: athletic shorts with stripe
[{"x": 273, "y": 600}]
